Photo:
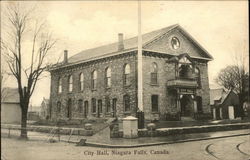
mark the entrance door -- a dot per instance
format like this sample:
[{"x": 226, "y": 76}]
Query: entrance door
[{"x": 186, "y": 105}]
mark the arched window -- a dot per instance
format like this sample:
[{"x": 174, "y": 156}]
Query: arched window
[
  {"x": 108, "y": 77},
  {"x": 80, "y": 105},
  {"x": 60, "y": 85},
  {"x": 197, "y": 76},
  {"x": 154, "y": 73},
  {"x": 126, "y": 74},
  {"x": 81, "y": 78},
  {"x": 94, "y": 79},
  {"x": 126, "y": 100},
  {"x": 58, "y": 106},
  {"x": 70, "y": 83}
]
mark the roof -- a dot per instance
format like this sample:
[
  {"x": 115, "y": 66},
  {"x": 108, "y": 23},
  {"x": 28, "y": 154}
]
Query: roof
[
  {"x": 129, "y": 45},
  {"x": 10, "y": 95},
  {"x": 113, "y": 47},
  {"x": 215, "y": 94}
]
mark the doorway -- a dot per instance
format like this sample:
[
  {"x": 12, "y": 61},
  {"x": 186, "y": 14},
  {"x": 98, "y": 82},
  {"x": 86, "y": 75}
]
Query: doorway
[{"x": 186, "y": 105}]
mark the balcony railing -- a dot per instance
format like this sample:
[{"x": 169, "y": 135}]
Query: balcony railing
[{"x": 183, "y": 82}]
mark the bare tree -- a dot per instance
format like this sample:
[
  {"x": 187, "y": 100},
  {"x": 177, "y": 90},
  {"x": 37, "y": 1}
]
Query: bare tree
[{"x": 26, "y": 74}]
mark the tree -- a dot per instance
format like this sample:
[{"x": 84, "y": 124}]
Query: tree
[
  {"x": 26, "y": 72},
  {"x": 234, "y": 77}
]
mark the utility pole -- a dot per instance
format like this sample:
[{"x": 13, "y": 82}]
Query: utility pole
[{"x": 140, "y": 114}]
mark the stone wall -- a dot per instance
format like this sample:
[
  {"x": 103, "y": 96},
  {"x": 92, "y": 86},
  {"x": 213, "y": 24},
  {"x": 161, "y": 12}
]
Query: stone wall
[{"x": 117, "y": 89}]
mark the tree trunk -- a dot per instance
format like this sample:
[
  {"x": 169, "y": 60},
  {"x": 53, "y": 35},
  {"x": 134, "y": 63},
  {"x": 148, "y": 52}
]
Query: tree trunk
[{"x": 24, "y": 124}]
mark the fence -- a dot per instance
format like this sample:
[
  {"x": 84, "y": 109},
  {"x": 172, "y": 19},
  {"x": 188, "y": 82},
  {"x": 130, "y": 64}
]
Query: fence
[{"x": 51, "y": 134}]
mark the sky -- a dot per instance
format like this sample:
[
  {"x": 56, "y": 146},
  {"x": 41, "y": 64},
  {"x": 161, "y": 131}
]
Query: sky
[{"x": 221, "y": 27}]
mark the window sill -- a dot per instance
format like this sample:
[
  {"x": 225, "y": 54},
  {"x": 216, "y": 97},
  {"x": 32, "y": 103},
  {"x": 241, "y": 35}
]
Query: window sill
[
  {"x": 154, "y": 84},
  {"x": 155, "y": 112},
  {"x": 94, "y": 90}
]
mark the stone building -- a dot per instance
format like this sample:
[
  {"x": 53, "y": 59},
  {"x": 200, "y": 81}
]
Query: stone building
[{"x": 102, "y": 82}]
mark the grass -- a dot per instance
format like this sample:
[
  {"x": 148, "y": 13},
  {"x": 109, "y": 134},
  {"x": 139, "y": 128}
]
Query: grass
[{"x": 97, "y": 124}]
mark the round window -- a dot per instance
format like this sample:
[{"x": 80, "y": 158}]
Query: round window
[{"x": 175, "y": 43}]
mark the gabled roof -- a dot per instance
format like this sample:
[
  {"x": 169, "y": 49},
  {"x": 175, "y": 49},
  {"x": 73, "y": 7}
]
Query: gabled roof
[
  {"x": 215, "y": 95},
  {"x": 129, "y": 44},
  {"x": 10, "y": 95}
]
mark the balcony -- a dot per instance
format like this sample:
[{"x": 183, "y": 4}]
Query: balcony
[{"x": 182, "y": 83}]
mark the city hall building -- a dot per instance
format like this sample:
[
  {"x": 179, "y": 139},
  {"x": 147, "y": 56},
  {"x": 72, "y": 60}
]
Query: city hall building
[{"x": 102, "y": 82}]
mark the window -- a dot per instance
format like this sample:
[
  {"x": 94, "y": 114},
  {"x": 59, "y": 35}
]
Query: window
[
  {"x": 94, "y": 79},
  {"x": 114, "y": 107},
  {"x": 175, "y": 43},
  {"x": 58, "y": 106},
  {"x": 199, "y": 104},
  {"x": 99, "y": 106},
  {"x": 93, "y": 105},
  {"x": 70, "y": 83},
  {"x": 154, "y": 71},
  {"x": 108, "y": 77},
  {"x": 154, "y": 102},
  {"x": 69, "y": 108},
  {"x": 80, "y": 105},
  {"x": 197, "y": 76},
  {"x": 86, "y": 108},
  {"x": 60, "y": 85},
  {"x": 81, "y": 78},
  {"x": 126, "y": 74},
  {"x": 107, "y": 102},
  {"x": 126, "y": 100}
]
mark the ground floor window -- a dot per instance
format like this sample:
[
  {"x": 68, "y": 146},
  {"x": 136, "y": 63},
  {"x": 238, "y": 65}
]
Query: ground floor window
[
  {"x": 99, "y": 107},
  {"x": 154, "y": 102},
  {"x": 80, "y": 105},
  {"x": 114, "y": 101},
  {"x": 199, "y": 104},
  {"x": 126, "y": 99},
  {"x": 93, "y": 102},
  {"x": 107, "y": 102},
  {"x": 69, "y": 108},
  {"x": 86, "y": 108},
  {"x": 58, "y": 106}
]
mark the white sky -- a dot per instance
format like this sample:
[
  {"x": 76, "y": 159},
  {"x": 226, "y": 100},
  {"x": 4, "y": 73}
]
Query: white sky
[{"x": 221, "y": 27}]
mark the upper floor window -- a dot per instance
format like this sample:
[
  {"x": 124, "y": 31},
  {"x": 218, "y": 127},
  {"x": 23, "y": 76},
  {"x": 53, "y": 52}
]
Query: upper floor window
[
  {"x": 70, "y": 83},
  {"x": 126, "y": 74},
  {"x": 81, "y": 78},
  {"x": 94, "y": 79},
  {"x": 126, "y": 99},
  {"x": 60, "y": 85},
  {"x": 154, "y": 73},
  {"x": 108, "y": 77},
  {"x": 175, "y": 43}
]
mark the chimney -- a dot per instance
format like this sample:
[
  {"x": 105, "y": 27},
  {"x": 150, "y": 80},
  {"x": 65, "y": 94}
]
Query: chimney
[
  {"x": 120, "y": 42},
  {"x": 65, "y": 60}
]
